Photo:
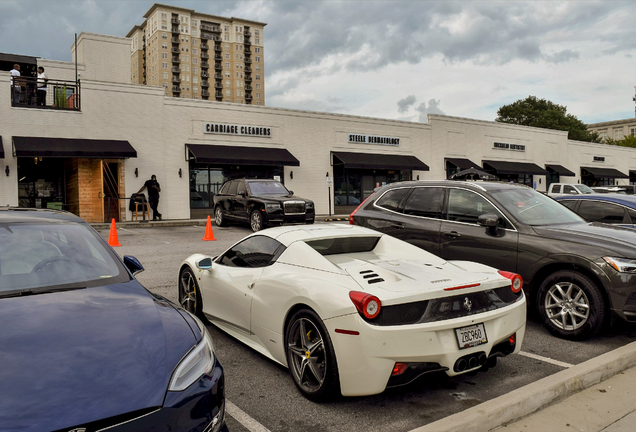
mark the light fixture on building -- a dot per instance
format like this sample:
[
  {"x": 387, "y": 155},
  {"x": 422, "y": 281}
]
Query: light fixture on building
[
  {"x": 180, "y": 174},
  {"x": 291, "y": 174},
  {"x": 136, "y": 172},
  {"x": 37, "y": 159},
  {"x": 418, "y": 176},
  {"x": 6, "y": 170}
]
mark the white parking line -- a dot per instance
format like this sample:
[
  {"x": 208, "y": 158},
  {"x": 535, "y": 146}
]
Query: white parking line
[
  {"x": 240, "y": 416},
  {"x": 546, "y": 359}
]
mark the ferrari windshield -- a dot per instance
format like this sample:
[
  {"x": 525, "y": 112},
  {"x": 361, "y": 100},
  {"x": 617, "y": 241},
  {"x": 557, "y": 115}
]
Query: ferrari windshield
[
  {"x": 533, "y": 208},
  {"x": 267, "y": 188},
  {"x": 54, "y": 255}
]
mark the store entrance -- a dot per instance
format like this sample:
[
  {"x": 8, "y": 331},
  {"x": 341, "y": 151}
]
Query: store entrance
[{"x": 353, "y": 186}]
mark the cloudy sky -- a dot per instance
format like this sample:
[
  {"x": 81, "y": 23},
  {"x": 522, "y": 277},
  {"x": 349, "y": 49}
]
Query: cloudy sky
[{"x": 394, "y": 59}]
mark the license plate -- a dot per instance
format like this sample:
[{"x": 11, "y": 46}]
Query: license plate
[{"x": 471, "y": 336}]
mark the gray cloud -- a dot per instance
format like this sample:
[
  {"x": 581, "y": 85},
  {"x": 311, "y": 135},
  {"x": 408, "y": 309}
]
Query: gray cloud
[
  {"x": 433, "y": 108},
  {"x": 406, "y": 103}
]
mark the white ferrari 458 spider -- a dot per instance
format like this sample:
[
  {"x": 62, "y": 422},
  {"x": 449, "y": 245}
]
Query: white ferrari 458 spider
[{"x": 352, "y": 310}]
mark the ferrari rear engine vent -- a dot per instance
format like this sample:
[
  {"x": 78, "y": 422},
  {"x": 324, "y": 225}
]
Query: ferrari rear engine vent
[{"x": 372, "y": 276}]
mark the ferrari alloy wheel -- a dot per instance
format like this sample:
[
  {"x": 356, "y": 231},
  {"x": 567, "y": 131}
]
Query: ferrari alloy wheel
[
  {"x": 256, "y": 220},
  {"x": 571, "y": 305},
  {"x": 310, "y": 356},
  {"x": 219, "y": 219},
  {"x": 189, "y": 297}
]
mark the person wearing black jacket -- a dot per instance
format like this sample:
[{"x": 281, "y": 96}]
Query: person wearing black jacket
[{"x": 153, "y": 195}]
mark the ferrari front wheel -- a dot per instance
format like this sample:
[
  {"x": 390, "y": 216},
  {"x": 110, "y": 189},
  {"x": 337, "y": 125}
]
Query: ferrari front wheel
[
  {"x": 310, "y": 356},
  {"x": 189, "y": 295}
]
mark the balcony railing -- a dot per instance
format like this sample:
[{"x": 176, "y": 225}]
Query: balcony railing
[
  {"x": 217, "y": 76},
  {"x": 248, "y": 97},
  {"x": 248, "y": 79},
  {"x": 175, "y": 79},
  {"x": 248, "y": 60},
  {"x": 175, "y": 50},
  {"x": 174, "y": 40},
  {"x": 204, "y": 74},
  {"x": 218, "y": 94},
  {"x": 246, "y": 50},
  {"x": 205, "y": 65},
  {"x": 248, "y": 88},
  {"x": 218, "y": 66},
  {"x": 205, "y": 84},
  {"x": 218, "y": 85},
  {"x": 246, "y": 33},
  {"x": 218, "y": 57},
  {"x": 176, "y": 70},
  {"x": 204, "y": 46},
  {"x": 175, "y": 59},
  {"x": 210, "y": 28},
  {"x": 174, "y": 20},
  {"x": 176, "y": 89},
  {"x": 218, "y": 48},
  {"x": 210, "y": 37},
  {"x": 205, "y": 93},
  {"x": 175, "y": 29},
  {"x": 27, "y": 92},
  {"x": 205, "y": 56},
  {"x": 248, "y": 69},
  {"x": 247, "y": 42}
]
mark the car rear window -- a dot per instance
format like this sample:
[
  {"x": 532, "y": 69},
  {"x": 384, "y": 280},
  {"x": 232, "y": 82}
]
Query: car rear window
[{"x": 343, "y": 245}]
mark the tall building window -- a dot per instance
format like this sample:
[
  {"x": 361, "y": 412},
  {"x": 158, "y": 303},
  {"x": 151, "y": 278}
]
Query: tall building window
[
  {"x": 228, "y": 83},
  {"x": 238, "y": 83},
  {"x": 227, "y": 74},
  {"x": 195, "y": 70},
  {"x": 227, "y": 93},
  {"x": 195, "y": 41},
  {"x": 258, "y": 68},
  {"x": 238, "y": 47},
  {"x": 164, "y": 65},
  {"x": 227, "y": 65},
  {"x": 195, "y": 61},
  {"x": 165, "y": 75},
  {"x": 164, "y": 55},
  {"x": 195, "y": 80},
  {"x": 195, "y": 89},
  {"x": 227, "y": 46},
  {"x": 618, "y": 134},
  {"x": 257, "y": 50},
  {"x": 164, "y": 45},
  {"x": 164, "y": 35},
  {"x": 258, "y": 95},
  {"x": 256, "y": 32},
  {"x": 226, "y": 37},
  {"x": 188, "y": 68},
  {"x": 257, "y": 41},
  {"x": 258, "y": 102},
  {"x": 227, "y": 55},
  {"x": 258, "y": 85},
  {"x": 258, "y": 77},
  {"x": 195, "y": 51},
  {"x": 164, "y": 16},
  {"x": 257, "y": 59}
]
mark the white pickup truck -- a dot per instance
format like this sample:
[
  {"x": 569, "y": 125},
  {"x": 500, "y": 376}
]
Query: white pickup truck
[{"x": 565, "y": 189}]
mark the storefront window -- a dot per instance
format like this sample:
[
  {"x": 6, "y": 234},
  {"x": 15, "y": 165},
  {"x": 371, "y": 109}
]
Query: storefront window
[
  {"x": 352, "y": 186},
  {"x": 41, "y": 184}
]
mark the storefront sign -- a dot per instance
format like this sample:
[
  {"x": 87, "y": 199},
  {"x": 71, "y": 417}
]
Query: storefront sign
[
  {"x": 374, "y": 139},
  {"x": 507, "y": 146},
  {"x": 599, "y": 158},
  {"x": 243, "y": 130}
]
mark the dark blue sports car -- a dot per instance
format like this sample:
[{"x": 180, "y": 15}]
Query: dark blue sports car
[
  {"x": 612, "y": 209},
  {"x": 84, "y": 347}
]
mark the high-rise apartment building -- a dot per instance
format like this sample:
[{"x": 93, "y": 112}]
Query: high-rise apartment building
[{"x": 199, "y": 56}]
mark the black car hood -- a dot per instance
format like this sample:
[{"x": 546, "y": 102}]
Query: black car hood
[
  {"x": 618, "y": 240},
  {"x": 73, "y": 357},
  {"x": 279, "y": 198}
]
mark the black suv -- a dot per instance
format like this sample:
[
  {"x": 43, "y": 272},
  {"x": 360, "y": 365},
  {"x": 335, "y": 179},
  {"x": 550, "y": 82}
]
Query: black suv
[
  {"x": 261, "y": 203},
  {"x": 576, "y": 273}
]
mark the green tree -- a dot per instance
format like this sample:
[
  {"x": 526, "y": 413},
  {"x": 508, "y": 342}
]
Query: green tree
[
  {"x": 545, "y": 114},
  {"x": 628, "y": 141}
]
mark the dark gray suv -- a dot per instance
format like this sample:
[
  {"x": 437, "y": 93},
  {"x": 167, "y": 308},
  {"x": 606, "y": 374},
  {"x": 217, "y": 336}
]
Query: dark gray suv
[{"x": 577, "y": 273}]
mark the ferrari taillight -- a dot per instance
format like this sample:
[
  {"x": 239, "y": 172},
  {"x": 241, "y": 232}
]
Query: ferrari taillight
[
  {"x": 351, "y": 219},
  {"x": 516, "y": 280},
  {"x": 367, "y": 304}
]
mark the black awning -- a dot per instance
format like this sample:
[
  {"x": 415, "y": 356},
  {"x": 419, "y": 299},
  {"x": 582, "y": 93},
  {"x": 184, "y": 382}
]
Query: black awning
[
  {"x": 463, "y": 164},
  {"x": 21, "y": 59},
  {"x": 632, "y": 173},
  {"x": 602, "y": 172},
  {"x": 560, "y": 170},
  {"x": 219, "y": 154},
  {"x": 379, "y": 161},
  {"x": 505, "y": 167},
  {"x": 1, "y": 149},
  {"x": 72, "y": 147}
]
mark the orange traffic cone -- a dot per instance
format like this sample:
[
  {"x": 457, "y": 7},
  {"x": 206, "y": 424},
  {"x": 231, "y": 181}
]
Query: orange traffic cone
[
  {"x": 112, "y": 238},
  {"x": 209, "y": 235}
]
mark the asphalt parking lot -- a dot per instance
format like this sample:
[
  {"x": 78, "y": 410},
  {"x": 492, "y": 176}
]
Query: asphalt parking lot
[{"x": 263, "y": 397}]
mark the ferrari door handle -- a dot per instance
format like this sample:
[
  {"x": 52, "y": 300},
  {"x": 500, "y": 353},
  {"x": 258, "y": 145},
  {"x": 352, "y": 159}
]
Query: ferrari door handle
[
  {"x": 452, "y": 234},
  {"x": 397, "y": 225},
  {"x": 250, "y": 285}
]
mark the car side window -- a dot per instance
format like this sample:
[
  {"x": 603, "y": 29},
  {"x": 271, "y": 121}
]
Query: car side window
[
  {"x": 425, "y": 202},
  {"x": 602, "y": 212},
  {"x": 224, "y": 188},
  {"x": 254, "y": 252},
  {"x": 240, "y": 188},
  {"x": 569, "y": 203},
  {"x": 392, "y": 199},
  {"x": 232, "y": 189},
  {"x": 467, "y": 206},
  {"x": 556, "y": 188},
  {"x": 569, "y": 190}
]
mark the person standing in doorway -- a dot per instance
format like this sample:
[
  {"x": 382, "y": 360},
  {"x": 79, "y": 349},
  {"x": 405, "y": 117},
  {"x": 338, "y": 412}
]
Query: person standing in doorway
[
  {"x": 153, "y": 195},
  {"x": 41, "y": 87}
]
